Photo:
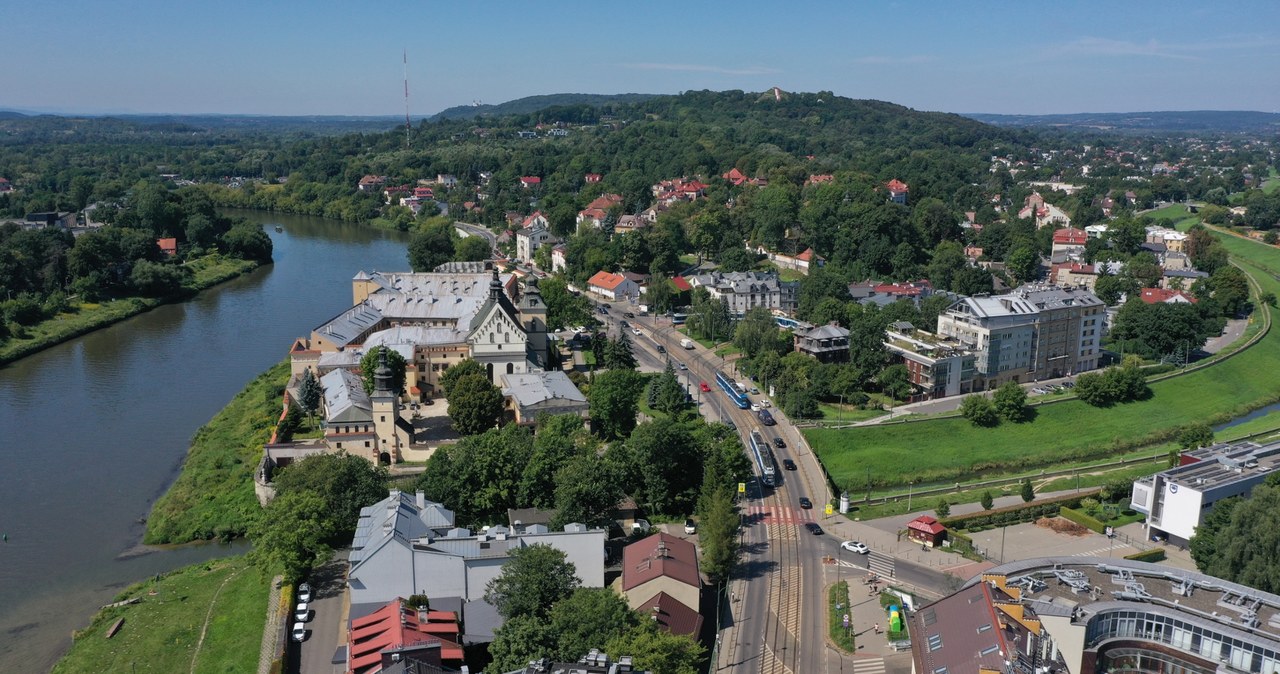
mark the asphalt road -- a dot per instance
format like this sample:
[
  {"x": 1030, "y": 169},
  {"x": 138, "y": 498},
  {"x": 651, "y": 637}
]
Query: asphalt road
[{"x": 328, "y": 624}]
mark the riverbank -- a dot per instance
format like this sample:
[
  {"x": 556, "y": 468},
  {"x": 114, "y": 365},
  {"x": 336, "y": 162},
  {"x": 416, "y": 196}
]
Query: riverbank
[
  {"x": 213, "y": 495},
  {"x": 208, "y": 272},
  {"x": 207, "y": 617}
]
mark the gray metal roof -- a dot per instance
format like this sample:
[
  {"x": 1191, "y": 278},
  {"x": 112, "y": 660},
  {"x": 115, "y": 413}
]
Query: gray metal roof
[
  {"x": 344, "y": 397},
  {"x": 536, "y": 387},
  {"x": 419, "y": 335},
  {"x": 397, "y": 516}
]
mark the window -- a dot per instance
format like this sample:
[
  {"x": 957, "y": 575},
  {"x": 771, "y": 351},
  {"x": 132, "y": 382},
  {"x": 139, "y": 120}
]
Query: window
[
  {"x": 988, "y": 650},
  {"x": 935, "y": 642},
  {"x": 984, "y": 628}
]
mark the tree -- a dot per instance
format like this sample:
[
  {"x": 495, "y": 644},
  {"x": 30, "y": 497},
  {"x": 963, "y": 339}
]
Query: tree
[
  {"x": 1027, "y": 491},
  {"x": 658, "y": 650},
  {"x": 1024, "y": 263},
  {"x": 533, "y": 579},
  {"x": 801, "y": 404},
  {"x": 481, "y": 476},
  {"x": 987, "y": 501},
  {"x": 395, "y": 362},
  {"x": 1010, "y": 401},
  {"x": 1244, "y": 549},
  {"x": 718, "y": 533},
  {"x": 665, "y": 393},
  {"x": 431, "y": 246},
  {"x": 564, "y": 309},
  {"x": 471, "y": 248},
  {"x": 1204, "y": 545},
  {"x": 289, "y": 535},
  {"x": 587, "y": 491},
  {"x": 618, "y": 355},
  {"x": 979, "y": 410},
  {"x": 475, "y": 404},
  {"x": 247, "y": 242},
  {"x": 309, "y": 392},
  {"x": 1230, "y": 290},
  {"x": 1194, "y": 436},
  {"x": 466, "y": 368},
  {"x": 156, "y": 279},
  {"x": 709, "y": 318},
  {"x": 519, "y": 641},
  {"x": 659, "y": 456},
  {"x": 895, "y": 381},
  {"x": 289, "y": 425},
  {"x": 614, "y": 399},
  {"x": 1126, "y": 235},
  {"x": 660, "y": 295},
  {"x": 346, "y": 483},
  {"x": 587, "y": 619},
  {"x": 943, "y": 509}
]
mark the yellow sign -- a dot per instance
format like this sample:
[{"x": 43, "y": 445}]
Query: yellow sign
[
  {"x": 829, "y": 509},
  {"x": 742, "y": 487}
]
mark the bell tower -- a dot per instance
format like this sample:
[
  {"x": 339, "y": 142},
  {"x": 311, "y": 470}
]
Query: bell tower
[
  {"x": 386, "y": 411},
  {"x": 533, "y": 317}
]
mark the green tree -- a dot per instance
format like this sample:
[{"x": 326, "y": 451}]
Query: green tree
[
  {"x": 519, "y": 641},
  {"x": 666, "y": 394},
  {"x": 895, "y": 381},
  {"x": 1231, "y": 290},
  {"x": 1204, "y": 545},
  {"x": 564, "y": 309},
  {"x": 481, "y": 476},
  {"x": 979, "y": 410},
  {"x": 1194, "y": 436},
  {"x": 432, "y": 246},
  {"x": 247, "y": 242},
  {"x": 587, "y": 491},
  {"x": 618, "y": 355},
  {"x": 346, "y": 483},
  {"x": 557, "y": 442},
  {"x": 471, "y": 248},
  {"x": 718, "y": 533},
  {"x": 943, "y": 509},
  {"x": 466, "y": 368},
  {"x": 801, "y": 404},
  {"x": 658, "y": 650},
  {"x": 475, "y": 404},
  {"x": 987, "y": 501},
  {"x": 1245, "y": 548},
  {"x": 1010, "y": 401},
  {"x": 395, "y": 362},
  {"x": 309, "y": 392},
  {"x": 1027, "y": 492},
  {"x": 614, "y": 399},
  {"x": 289, "y": 425},
  {"x": 660, "y": 295},
  {"x": 156, "y": 279},
  {"x": 1024, "y": 263},
  {"x": 289, "y": 536},
  {"x": 587, "y": 619},
  {"x": 533, "y": 579}
]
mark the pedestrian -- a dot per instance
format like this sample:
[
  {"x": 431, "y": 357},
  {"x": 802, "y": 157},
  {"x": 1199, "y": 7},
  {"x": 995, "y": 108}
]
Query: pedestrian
[{"x": 877, "y": 628}]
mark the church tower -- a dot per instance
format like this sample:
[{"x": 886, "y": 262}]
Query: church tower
[
  {"x": 533, "y": 317},
  {"x": 386, "y": 412}
]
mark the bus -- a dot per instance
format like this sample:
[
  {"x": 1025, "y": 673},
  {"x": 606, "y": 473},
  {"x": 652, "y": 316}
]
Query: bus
[
  {"x": 730, "y": 389},
  {"x": 763, "y": 456},
  {"x": 678, "y": 319}
]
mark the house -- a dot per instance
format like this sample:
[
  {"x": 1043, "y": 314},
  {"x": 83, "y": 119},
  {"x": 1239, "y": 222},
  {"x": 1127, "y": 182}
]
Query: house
[
  {"x": 371, "y": 183},
  {"x": 1161, "y": 295},
  {"x": 827, "y": 343},
  {"x": 818, "y": 179},
  {"x": 534, "y": 235},
  {"x": 536, "y": 393},
  {"x": 526, "y": 134},
  {"x": 592, "y": 178},
  {"x": 801, "y": 262},
  {"x": 1035, "y": 332},
  {"x": 1172, "y": 239},
  {"x": 5, "y": 186},
  {"x": 168, "y": 246},
  {"x": 1067, "y": 274},
  {"x": 738, "y": 178},
  {"x": 558, "y": 261},
  {"x": 629, "y": 223},
  {"x": 528, "y": 182},
  {"x": 660, "y": 578},
  {"x": 668, "y": 192},
  {"x": 1045, "y": 213},
  {"x": 898, "y": 191},
  {"x": 612, "y": 286},
  {"x": 926, "y": 530},
  {"x": 1069, "y": 240},
  {"x": 883, "y": 294},
  {"x": 596, "y": 211},
  {"x": 937, "y": 367},
  {"x": 743, "y": 291},
  {"x": 1096, "y": 231},
  {"x": 397, "y": 633},
  {"x": 62, "y": 219},
  {"x": 446, "y": 180},
  {"x": 558, "y": 133}
]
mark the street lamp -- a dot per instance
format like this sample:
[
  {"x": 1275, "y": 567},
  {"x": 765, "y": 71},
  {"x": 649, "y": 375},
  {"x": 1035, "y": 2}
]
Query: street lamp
[{"x": 910, "y": 484}]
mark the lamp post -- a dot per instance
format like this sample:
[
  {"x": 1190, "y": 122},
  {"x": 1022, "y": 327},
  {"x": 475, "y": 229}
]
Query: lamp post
[{"x": 910, "y": 485}]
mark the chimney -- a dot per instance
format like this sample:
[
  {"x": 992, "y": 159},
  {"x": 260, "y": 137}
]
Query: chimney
[{"x": 422, "y": 499}]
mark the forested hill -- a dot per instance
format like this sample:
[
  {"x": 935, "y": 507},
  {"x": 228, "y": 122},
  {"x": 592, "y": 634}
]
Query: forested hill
[
  {"x": 524, "y": 106},
  {"x": 1222, "y": 121},
  {"x": 16, "y": 127}
]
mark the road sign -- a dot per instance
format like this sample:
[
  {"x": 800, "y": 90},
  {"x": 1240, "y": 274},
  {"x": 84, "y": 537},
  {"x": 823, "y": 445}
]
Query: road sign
[
  {"x": 829, "y": 509},
  {"x": 845, "y": 621},
  {"x": 742, "y": 487}
]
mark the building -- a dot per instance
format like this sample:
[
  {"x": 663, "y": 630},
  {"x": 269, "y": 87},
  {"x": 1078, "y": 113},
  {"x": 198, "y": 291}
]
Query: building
[
  {"x": 926, "y": 530},
  {"x": 1045, "y": 213},
  {"x": 1035, "y": 332},
  {"x": 61, "y": 219},
  {"x": 828, "y": 343},
  {"x": 746, "y": 290},
  {"x": 883, "y": 294},
  {"x": 937, "y": 367},
  {"x": 537, "y": 393},
  {"x": 629, "y": 223},
  {"x": 1069, "y": 240},
  {"x": 168, "y": 246},
  {"x": 612, "y": 286},
  {"x": 534, "y": 235},
  {"x": 898, "y": 191},
  {"x": 660, "y": 579},
  {"x": 801, "y": 262},
  {"x": 592, "y": 178},
  {"x": 529, "y": 182},
  {"x": 1077, "y": 274},
  {"x": 1089, "y": 615},
  {"x": 371, "y": 183},
  {"x": 1162, "y": 295},
  {"x": 593, "y": 662},
  {"x": 396, "y": 633},
  {"x": 1175, "y": 500},
  {"x": 597, "y": 211},
  {"x": 558, "y": 261}
]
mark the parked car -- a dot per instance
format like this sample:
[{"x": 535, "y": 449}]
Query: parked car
[
  {"x": 755, "y": 391},
  {"x": 788, "y": 464},
  {"x": 779, "y": 443},
  {"x": 304, "y": 593},
  {"x": 299, "y": 632},
  {"x": 805, "y": 502},
  {"x": 690, "y": 527},
  {"x": 606, "y": 305},
  {"x": 301, "y": 612},
  {"x": 755, "y": 407},
  {"x": 813, "y": 528},
  {"x": 635, "y": 331},
  {"x": 856, "y": 547},
  {"x": 683, "y": 366},
  {"x": 629, "y": 315},
  {"x": 766, "y": 403},
  {"x": 624, "y": 324},
  {"x": 705, "y": 388}
]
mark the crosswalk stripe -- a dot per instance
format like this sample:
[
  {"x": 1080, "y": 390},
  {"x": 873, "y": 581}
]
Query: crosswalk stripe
[{"x": 868, "y": 665}]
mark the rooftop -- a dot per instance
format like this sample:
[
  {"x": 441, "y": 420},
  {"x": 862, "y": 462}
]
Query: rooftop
[
  {"x": 536, "y": 387},
  {"x": 660, "y": 555},
  {"x": 1223, "y": 464}
]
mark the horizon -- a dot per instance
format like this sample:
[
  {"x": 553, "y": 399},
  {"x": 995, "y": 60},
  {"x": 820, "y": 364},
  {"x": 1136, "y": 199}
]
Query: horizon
[{"x": 246, "y": 59}]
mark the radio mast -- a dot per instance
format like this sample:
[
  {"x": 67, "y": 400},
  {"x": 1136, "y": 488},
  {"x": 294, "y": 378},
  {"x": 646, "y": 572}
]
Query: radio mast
[{"x": 406, "y": 99}]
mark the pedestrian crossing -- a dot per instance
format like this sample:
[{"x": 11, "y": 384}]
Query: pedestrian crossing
[
  {"x": 779, "y": 514},
  {"x": 868, "y": 666}
]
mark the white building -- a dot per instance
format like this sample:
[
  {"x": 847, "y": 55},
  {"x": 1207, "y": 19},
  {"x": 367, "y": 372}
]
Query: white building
[
  {"x": 533, "y": 236},
  {"x": 745, "y": 290}
]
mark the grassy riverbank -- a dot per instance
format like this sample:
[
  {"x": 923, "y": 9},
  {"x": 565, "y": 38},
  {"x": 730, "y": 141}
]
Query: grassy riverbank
[
  {"x": 213, "y": 496},
  {"x": 951, "y": 449},
  {"x": 207, "y": 617},
  {"x": 86, "y": 317}
]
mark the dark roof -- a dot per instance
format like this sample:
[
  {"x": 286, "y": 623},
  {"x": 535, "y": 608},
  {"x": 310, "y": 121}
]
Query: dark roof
[
  {"x": 672, "y": 615},
  {"x": 660, "y": 555},
  {"x": 960, "y": 633}
]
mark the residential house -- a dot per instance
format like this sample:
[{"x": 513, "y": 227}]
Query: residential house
[
  {"x": 650, "y": 214},
  {"x": 534, "y": 235},
  {"x": 660, "y": 578},
  {"x": 938, "y": 367},
  {"x": 537, "y": 393},
  {"x": 1045, "y": 213},
  {"x": 818, "y": 179},
  {"x": 62, "y": 219},
  {"x": 558, "y": 261},
  {"x": 1077, "y": 274},
  {"x": 1069, "y": 240},
  {"x": 612, "y": 286},
  {"x": 371, "y": 183},
  {"x": 668, "y": 192},
  {"x": 629, "y": 223},
  {"x": 529, "y": 182},
  {"x": 446, "y": 180},
  {"x": 743, "y": 291},
  {"x": 828, "y": 343},
  {"x": 1162, "y": 295},
  {"x": 738, "y": 178},
  {"x": 598, "y": 210},
  {"x": 398, "y": 633},
  {"x": 168, "y": 246},
  {"x": 1035, "y": 332},
  {"x": 592, "y": 178},
  {"x": 898, "y": 191},
  {"x": 1175, "y": 261},
  {"x": 883, "y": 294},
  {"x": 594, "y": 662},
  {"x": 1172, "y": 239},
  {"x": 926, "y": 530},
  {"x": 1096, "y": 231},
  {"x": 5, "y": 186},
  {"x": 1181, "y": 278}
]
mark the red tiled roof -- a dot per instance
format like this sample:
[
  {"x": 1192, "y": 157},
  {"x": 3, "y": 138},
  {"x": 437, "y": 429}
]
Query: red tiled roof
[
  {"x": 927, "y": 524},
  {"x": 672, "y": 615},
  {"x": 606, "y": 280},
  {"x": 659, "y": 555},
  {"x": 605, "y": 201},
  {"x": 593, "y": 177},
  {"x": 530, "y": 180},
  {"x": 896, "y": 185},
  {"x": 396, "y": 626},
  {"x": 681, "y": 284},
  {"x": 1158, "y": 295},
  {"x": 168, "y": 246},
  {"x": 807, "y": 255},
  {"x": 1070, "y": 236},
  {"x": 735, "y": 176}
]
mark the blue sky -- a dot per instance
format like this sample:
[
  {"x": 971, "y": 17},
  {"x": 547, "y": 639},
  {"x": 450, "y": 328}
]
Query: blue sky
[{"x": 271, "y": 57}]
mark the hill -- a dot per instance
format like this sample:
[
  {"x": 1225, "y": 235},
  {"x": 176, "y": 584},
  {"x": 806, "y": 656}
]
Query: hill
[
  {"x": 1222, "y": 121},
  {"x": 524, "y": 106}
]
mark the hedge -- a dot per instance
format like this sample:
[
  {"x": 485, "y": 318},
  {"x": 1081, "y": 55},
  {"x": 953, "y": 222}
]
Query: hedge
[
  {"x": 1152, "y": 555},
  {"x": 1016, "y": 514},
  {"x": 1083, "y": 519}
]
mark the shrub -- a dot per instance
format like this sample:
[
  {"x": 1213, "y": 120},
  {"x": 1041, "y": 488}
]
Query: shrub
[
  {"x": 979, "y": 410},
  {"x": 1028, "y": 492},
  {"x": 1152, "y": 555},
  {"x": 987, "y": 501},
  {"x": 943, "y": 509}
]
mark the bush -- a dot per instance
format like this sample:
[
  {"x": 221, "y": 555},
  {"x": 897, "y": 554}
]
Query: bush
[
  {"x": 1153, "y": 555},
  {"x": 987, "y": 501},
  {"x": 1083, "y": 519},
  {"x": 979, "y": 410},
  {"x": 943, "y": 508},
  {"x": 1028, "y": 492},
  {"x": 1010, "y": 400}
]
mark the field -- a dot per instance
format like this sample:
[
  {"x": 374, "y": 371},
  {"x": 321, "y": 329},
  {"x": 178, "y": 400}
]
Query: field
[
  {"x": 163, "y": 632},
  {"x": 213, "y": 496},
  {"x": 950, "y": 450}
]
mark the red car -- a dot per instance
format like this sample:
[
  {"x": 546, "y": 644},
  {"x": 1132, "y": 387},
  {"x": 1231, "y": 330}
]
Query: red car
[{"x": 704, "y": 387}]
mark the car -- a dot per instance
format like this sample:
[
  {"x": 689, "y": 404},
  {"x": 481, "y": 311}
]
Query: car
[
  {"x": 779, "y": 443},
  {"x": 805, "y": 502},
  {"x": 683, "y": 366},
  {"x": 765, "y": 417},
  {"x": 690, "y": 527},
  {"x": 606, "y": 305},
  {"x": 624, "y": 324},
  {"x": 299, "y": 632},
  {"x": 636, "y": 332},
  {"x": 429, "y": 401},
  {"x": 304, "y": 593},
  {"x": 755, "y": 391},
  {"x": 755, "y": 407},
  {"x": 580, "y": 329},
  {"x": 301, "y": 613},
  {"x": 705, "y": 388},
  {"x": 729, "y": 422},
  {"x": 662, "y": 349},
  {"x": 766, "y": 403},
  {"x": 788, "y": 464},
  {"x": 629, "y": 315},
  {"x": 855, "y": 546},
  {"x": 813, "y": 528}
]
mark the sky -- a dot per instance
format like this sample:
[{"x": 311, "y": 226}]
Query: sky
[{"x": 346, "y": 58}]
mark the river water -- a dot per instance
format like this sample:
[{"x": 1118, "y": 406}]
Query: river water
[{"x": 92, "y": 431}]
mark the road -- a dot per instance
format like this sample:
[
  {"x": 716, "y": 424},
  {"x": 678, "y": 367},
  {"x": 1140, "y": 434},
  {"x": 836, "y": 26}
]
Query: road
[
  {"x": 328, "y": 620},
  {"x": 468, "y": 229}
]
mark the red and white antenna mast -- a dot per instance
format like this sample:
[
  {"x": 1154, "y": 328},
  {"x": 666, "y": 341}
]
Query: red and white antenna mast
[{"x": 407, "y": 126}]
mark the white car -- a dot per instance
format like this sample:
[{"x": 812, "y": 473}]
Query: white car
[
  {"x": 755, "y": 407},
  {"x": 301, "y": 613},
  {"x": 580, "y": 329},
  {"x": 636, "y": 331},
  {"x": 304, "y": 592},
  {"x": 855, "y": 546},
  {"x": 299, "y": 632},
  {"x": 765, "y": 403}
]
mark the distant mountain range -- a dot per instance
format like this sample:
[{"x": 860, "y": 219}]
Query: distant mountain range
[
  {"x": 1229, "y": 121},
  {"x": 524, "y": 106}
]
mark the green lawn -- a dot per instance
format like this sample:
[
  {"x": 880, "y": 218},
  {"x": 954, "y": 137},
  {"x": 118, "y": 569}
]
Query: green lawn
[
  {"x": 837, "y": 607},
  {"x": 161, "y": 632},
  {"x": 213, "y": 496},
  {"x": 945, "y": 450},
  {"x": 1272, "y": 182},
  {"x": 835, "y": 412}
]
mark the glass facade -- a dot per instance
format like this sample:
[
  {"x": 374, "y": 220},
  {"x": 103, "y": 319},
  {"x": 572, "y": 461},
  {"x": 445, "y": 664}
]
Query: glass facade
[{"x": 1206, "y": 642}]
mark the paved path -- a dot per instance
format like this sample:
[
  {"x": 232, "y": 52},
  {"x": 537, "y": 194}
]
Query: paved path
[{"x": 271, "y": 633}]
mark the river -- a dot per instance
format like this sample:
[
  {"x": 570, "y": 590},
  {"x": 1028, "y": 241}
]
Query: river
[{"x": 92, "y": 431}]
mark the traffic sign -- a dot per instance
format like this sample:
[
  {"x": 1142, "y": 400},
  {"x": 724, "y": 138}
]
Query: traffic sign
[
  {"x": 846, "y": 620},
  {"x": 829, "y": 509},
  {"x": 742, "y": 487}
]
